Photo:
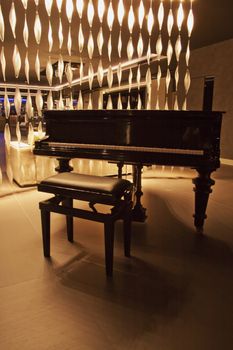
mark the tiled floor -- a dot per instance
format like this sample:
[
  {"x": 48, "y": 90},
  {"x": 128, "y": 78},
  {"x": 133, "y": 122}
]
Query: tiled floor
[{"x": 174, "y": 293}]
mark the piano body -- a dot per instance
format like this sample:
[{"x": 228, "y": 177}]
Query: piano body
[{"x": 139, "y": 137}]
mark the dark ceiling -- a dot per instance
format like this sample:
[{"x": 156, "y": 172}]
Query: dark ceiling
[{"x": 213, "y": 23}]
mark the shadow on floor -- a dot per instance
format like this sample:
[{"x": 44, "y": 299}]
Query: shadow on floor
[{"x": 157, "y": 278}]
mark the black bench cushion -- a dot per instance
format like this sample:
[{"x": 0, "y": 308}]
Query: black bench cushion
[{"x": 90, "y": 183}]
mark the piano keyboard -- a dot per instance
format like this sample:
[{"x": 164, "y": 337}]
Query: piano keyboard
[{"x": 126, "y": 148}]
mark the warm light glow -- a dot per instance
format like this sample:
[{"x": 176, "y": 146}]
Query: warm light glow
[
  {"x": 124, "y": 66},
  {"x": 119, "y": 46},
  {"x": 140, "y": 46},
  {"x": 90, "y": 46},
  {"x": 161, "y": 15},
  {"x": 16, "y": 61},
  {"x": 170, "y": 22},
  {"x": 138, "y": 79},
  {"x": 139, "y": 105},
  {"x": 60, "y": 104},
  {"x": 119, "y": 103},
  {"x": 48, "y": 6},
  {"x": 50, "y": 37},
  {"x": 169, "y": 52},
  {"x": 100, "y": 40},
  {"x": 29, "y": 109},
  {"x": 90, "y": 105},
  {"x": 80, "y": 39},
  {"x": 130, "y": 79},
  {"x": 100, "y": 100},
  {"x": 40, "y": 133},
  {"x": 110, "y": 16},
  {"x": 119, "y": 73},
  {"x": 25, "y": 4},
  {"x": 69, "y": 42},
  {"x": 187, "y": 81},
  {"x": 27, "y": 68},
  {"x": 49, "y": 71},
  {"x": 60, "y": 68},
  {"x": 12, "y": 19},
  {"x": 30, "y": 138},
  {"x": 81, "y": 71},
  {"x": 168, "y": 80},
  {"x": 37, "y": 28},
  {"x": 180, "y": 16},
  {"x": 70, "y": 102},
  {"x": 36, "y": 2},
  {"x": 159, "y": 46},
  {"x": 141, "y": 14},
  {"x": 178, "y": 48},
  {"x": 50, "y": 101},
  {"x": 101, "y": 9},
  {"x": 130, "y": 49},
  {"x": 60, "y": 34},
  {"x": 190, "y": 22},
  {"x": 110, "y": 77},
  {"x": 80, "y": 100},
  {"x": 109, "y": 47},
  {"x": 25, "y": 32},
  {"x": 90, "y": 12},
  {"x": 148, "y": 53},
  {"x": 148, "y": 77},
  {"x": 131, "y": 19},
  {"x": 59, "y": 5},
  {"x": 159, "y": 76},
  {"x": 90, "y": 75},
  {"x": 79, "y": 7},
  {"x": 150, "y": 21},
  {"x": 100, "y": 73},
  {"x": 187, "y": 55},
  {"x": 69, "y": 73},
  {"x": 39, "y": 103},
  {"x": 18, "y": 132},
  {"x": 177, "y": 77},
  {"x": 7, "y": 106},
  {"x": 69, "y": 10},
  {"x": 2, "y": 25},
  {"x": 37, "y": 65},
  {"x": 3, "y": 63},
  {"x": 109, "y": 103},
  {"x": 120, "y": 12},
  {"x": 128, "y": 104}
]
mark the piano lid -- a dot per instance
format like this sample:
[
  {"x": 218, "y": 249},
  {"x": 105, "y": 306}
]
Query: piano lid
[{"x": 148, "y": 128}]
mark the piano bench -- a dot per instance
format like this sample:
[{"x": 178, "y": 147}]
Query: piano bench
[{"x": 67, "y": 187}]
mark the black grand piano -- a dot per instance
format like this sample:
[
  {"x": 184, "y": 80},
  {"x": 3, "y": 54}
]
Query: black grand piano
[{"x": 139, "y": 137}]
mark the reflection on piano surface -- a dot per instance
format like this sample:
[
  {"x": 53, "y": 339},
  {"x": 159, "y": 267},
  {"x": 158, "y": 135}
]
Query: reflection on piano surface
[{"x": 139, "y": 137}]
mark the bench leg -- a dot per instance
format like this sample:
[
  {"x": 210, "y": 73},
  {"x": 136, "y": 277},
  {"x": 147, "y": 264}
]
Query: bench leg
[
  {"x": 68, "y": 202},
  {"x": 109, "y": 244},
  {"x": 45, "y": 222}
]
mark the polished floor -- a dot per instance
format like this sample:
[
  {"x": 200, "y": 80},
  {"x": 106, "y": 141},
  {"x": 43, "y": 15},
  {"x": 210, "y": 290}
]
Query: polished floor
[{"x": 174, "y": 293}]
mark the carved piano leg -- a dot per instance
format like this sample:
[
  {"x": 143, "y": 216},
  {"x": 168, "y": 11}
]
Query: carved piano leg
[
  {"x": 202, "y": 190},
  {"x": 138, "y": 213},
  {"x": 63, "y": 165}
]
